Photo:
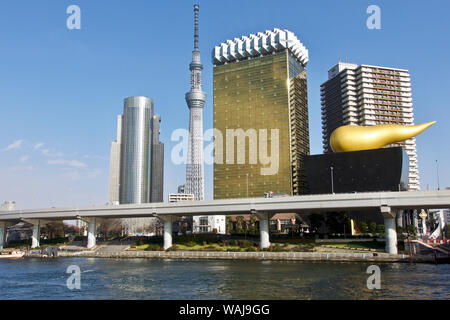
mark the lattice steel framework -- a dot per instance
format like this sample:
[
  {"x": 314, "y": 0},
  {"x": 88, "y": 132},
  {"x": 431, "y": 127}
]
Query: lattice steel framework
[{"x": 196, "y": 100}]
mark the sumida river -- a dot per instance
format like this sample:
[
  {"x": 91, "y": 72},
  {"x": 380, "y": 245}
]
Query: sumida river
[{"x": 218, "y": 279}]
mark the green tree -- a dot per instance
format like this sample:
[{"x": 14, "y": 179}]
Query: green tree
[
  {"x": 110, "y": 227},
  {"x": 380, "y": 228},
  {"x": 240, "y": 224},
  {"x": 229, "y": 222},
  {"x": 316, "y": 220},
  {"x": 253, "y": 224},
  {"x": 412, "y": 231},
  {"x": 363, "y": 228},
  {"x": 337, "y": 222},
  {"x": 373, "y": 228},
  {"x": 53, "y": 230}
]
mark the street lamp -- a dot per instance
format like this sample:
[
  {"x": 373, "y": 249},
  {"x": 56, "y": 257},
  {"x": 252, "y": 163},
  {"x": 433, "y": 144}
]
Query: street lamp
[{"x": 332, "y": 182}]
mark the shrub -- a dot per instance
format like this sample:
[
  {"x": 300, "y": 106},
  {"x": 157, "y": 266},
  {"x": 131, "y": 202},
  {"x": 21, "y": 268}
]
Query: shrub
[
  {"x": 153, "y": 247},
  {"x": 245, "y": 243},
  {"x": 250, "y": 249},
  {"x": 308, "y": 247},
  {"x": 139, "y": 243},
  {"x": 277, "y": 248},
  {"x": 173, "y": 248},
  {"x": 190, "y": 244}
]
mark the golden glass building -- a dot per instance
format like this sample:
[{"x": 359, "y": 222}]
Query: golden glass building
[{"x": 260, "y": 115}]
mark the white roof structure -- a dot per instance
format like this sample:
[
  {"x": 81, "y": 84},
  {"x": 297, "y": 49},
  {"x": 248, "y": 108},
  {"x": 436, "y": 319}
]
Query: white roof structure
[{"x": 260, "y": 44}]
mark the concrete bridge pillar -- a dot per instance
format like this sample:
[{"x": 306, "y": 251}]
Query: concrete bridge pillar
[
  {"x": 391, "y": 232},
  {"x": 92, "y": 230},
  {"x": 400, "y": 218},
  {"x": 424, "y": 227},
  {"x": 167, "y": 234},
  {"x": 264, "y": 240},
  {"x": 36, "y": 236},
  {"x": 168, "y": 220},
  {"x": 2, "y": 234}
]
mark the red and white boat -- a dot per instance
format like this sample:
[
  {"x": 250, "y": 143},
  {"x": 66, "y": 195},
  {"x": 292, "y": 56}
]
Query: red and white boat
[{"x": 11, "y": 254}]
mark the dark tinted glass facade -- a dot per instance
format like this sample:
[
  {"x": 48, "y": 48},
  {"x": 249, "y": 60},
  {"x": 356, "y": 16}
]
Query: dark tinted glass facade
[{"x": 375, "y": 170}]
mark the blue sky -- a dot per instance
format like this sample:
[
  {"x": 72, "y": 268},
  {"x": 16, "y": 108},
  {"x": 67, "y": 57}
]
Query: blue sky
[{"x": 61, "y": 90}]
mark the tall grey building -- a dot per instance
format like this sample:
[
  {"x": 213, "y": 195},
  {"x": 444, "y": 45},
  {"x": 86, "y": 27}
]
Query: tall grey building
[
  {"x": 137, "y": 155},
  {"x": 157, "y": 188},
  {"x": 137, "y": 160},
  {"x": 367, "y": 95},
  {"x": 136, "y": 150}
]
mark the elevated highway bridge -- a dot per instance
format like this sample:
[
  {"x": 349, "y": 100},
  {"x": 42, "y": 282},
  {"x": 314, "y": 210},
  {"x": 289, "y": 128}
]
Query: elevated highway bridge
[{"x": 386, "y": 203}]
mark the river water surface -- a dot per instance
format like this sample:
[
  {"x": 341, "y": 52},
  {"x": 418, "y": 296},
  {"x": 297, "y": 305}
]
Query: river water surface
[{"x": 218, "y": 279}]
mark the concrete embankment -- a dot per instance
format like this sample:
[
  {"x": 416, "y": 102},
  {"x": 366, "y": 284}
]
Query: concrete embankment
[{"x": 287, "y": 256}]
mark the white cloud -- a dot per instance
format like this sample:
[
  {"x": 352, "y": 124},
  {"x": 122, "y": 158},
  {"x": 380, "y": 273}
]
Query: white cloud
[
  {"x": 13, "y": 146},
  {"x": 24, "y": 158},
  {"x": 38, "y": 145},
  {"x": 70, "y": 163},
  {"x": 47, "y": 153}
]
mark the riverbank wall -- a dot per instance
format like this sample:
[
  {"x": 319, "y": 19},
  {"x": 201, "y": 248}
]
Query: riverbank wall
[{"x": 286, "y": 256}]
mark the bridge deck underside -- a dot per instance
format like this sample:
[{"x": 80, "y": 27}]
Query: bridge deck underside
[{"x": 296, "y": 204}]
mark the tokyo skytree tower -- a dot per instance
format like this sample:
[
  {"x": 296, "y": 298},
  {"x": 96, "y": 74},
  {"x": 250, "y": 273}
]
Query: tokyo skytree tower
[{"x": 196, "y": 100}]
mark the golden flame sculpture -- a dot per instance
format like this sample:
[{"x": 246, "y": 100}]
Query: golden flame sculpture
[{"x": 356, "y": 138}]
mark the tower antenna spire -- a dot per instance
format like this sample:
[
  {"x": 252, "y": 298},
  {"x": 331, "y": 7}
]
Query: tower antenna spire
[
  {"x": 195, "y": 100},
  {"x": 196, "y": 9}
]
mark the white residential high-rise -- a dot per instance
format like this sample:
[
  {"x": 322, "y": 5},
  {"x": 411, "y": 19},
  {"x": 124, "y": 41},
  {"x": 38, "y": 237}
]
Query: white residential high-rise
[
  {"x": 8, "y": 206},
  {"x": 177, "y": 197},
  {"x": 196, "y": 100},
  {"x": 369, "y": 95}
]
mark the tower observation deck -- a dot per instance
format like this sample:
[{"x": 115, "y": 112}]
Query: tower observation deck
[{"x": 195, "y": 100}]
